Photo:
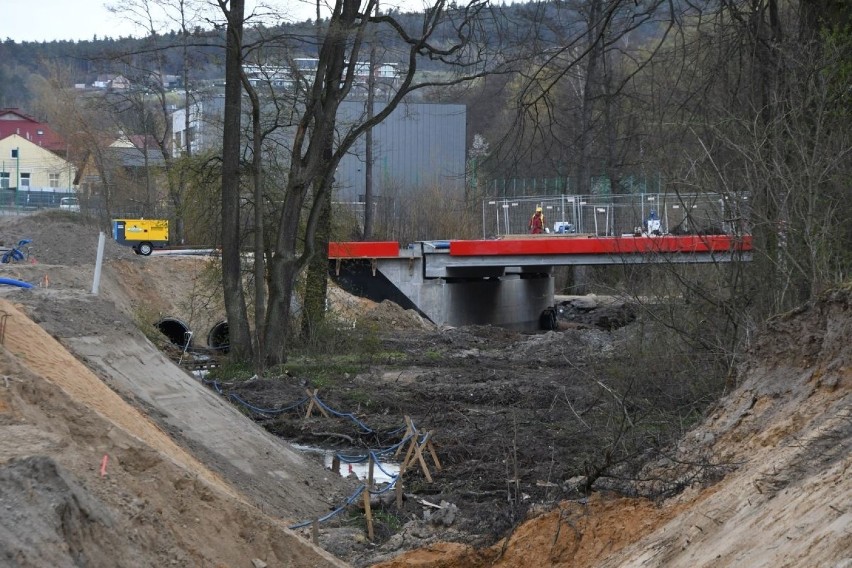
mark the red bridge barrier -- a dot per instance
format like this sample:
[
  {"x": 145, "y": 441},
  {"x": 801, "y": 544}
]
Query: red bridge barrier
[{"x": 557, "y": 245}]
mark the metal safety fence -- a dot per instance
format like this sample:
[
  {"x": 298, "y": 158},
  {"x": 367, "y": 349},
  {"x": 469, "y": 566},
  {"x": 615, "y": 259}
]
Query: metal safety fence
[{"x": 614, "y": 215}]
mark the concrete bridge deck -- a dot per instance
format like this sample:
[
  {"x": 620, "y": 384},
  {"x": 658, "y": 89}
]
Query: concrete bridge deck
[{"x": 506, "y": 281}]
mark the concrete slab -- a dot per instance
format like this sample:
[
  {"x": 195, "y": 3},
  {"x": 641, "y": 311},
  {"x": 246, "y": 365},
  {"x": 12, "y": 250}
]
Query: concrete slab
[{"x": 279, "y": 479}]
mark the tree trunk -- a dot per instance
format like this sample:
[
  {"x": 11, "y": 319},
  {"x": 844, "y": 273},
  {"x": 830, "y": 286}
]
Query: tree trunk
[
  {"x": 368, "y": 152},
  {"x": 316, "y": 281},
  {"x": 259, "y": 227},
  {"x": 177, "y": 195},
  {"x": 283, "y": 270},
  {"x": 235, "y": 305},
  {"x": 590, "y": 90}
]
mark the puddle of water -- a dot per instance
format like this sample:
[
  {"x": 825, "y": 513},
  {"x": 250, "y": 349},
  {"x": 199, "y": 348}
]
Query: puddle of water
[{"x": 361, "y": 470}]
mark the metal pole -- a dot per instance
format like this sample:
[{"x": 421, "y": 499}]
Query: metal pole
[
  {"x": 99, "y": 261},
  {"x": 506, "y": 215},
  {"x": 497, "y": 217}
]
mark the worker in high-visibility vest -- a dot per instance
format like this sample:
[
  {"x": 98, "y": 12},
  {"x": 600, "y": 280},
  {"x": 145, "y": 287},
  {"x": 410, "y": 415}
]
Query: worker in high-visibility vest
[
  {"x": 654, "y": 224},
  {"x": 537, "y": 221}
]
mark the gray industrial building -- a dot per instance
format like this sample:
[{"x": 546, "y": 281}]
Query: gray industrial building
[{"x": 418, "y": 145}]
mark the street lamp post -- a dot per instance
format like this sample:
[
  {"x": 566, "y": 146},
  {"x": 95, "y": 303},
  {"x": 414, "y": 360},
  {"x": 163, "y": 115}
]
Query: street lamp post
[{"x": 16, "y": 153}]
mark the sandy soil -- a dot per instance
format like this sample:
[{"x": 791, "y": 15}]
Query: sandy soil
[
  {"x": 785, "y": 437},
  {"x": 156, "y": 503},
  {"x": 763, "y": 480}
]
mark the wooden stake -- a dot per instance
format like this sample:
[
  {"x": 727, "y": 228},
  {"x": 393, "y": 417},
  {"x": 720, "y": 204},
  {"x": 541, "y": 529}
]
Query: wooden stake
[
  {"x": 431, "y": 447},
  {"x": 314, "y": 401},
  {"x": 408, "y": 455},
  {"x": 370, "y": 466},
  {"x": 310, "y": 409},
  {"x": 398, "y": 491},
  {"x": 368, "y": 513},
  {"x": 418, "y": 452},
  {"x": 409, "y": 430}
]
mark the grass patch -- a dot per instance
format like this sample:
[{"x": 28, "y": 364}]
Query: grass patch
[
  {"x": 432, "y": 355},
  {"x": 360, "y": 397},
  {"x": 327, "y": 371},
  {"x": 331, "y": 337},
  {"x": 387, "y": 520},
  {"x": 145, "y": 320},
  {"x": 231, "y": 371}
]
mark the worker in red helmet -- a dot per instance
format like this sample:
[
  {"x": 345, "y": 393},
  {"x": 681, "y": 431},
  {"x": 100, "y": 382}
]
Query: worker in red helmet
[{"x": 537, "y": 222}]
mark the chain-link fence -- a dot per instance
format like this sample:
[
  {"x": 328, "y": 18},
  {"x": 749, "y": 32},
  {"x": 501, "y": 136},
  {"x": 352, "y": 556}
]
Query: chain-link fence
[
  {"x": 552, "y": 186},
  {"x": 613, "y": 215},
  {"x": 25, "y": 201}
]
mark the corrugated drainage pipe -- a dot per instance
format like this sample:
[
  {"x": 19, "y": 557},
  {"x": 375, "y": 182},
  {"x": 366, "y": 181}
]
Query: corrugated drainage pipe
[
  {"x": 219, "y": 339},
  {"x": 177, "y": 332}
]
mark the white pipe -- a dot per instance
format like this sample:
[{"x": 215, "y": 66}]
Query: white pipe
[{"x": 99, "y": 263}]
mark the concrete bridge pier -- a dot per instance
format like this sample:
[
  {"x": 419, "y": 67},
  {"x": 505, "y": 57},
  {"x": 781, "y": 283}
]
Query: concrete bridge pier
[
  {"x": 513, "y": 301},
  {"x": 511, "y": 297}
]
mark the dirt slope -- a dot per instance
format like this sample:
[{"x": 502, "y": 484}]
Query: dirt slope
[
  {"x": 784, "y": 437},
  {"x": 189, "y": 480},
  {"x": 156, "y": 504},
  {"x": 787, "y": 433}
]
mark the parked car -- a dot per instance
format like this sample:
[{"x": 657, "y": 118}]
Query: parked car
[{"x": 69, "y": 204}]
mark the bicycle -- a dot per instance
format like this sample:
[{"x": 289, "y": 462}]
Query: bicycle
[{"x": 15, "y": 253}]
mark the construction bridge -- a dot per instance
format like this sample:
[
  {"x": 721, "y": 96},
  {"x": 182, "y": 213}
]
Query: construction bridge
[{"x": 508, "y": 281}]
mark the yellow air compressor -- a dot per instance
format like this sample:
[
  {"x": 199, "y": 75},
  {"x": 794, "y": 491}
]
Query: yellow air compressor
[{"x": 144, "y": 235}]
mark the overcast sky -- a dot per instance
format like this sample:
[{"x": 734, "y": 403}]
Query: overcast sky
[{"x": 47, "y": 20}]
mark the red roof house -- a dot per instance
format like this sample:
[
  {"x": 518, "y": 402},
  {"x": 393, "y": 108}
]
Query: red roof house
[{"x": 13, "y": 121}]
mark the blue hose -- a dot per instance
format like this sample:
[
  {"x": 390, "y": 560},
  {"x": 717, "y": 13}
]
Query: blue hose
[
  {"x": 364, "y": 428},
  {"x": 13, "y": 282},
  {"x": 379, "y": 465},
  {"x": 270, "y": 411},
  {"x": 324, "y": 518}
]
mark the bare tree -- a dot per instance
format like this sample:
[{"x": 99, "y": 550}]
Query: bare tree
[
  {"x": 760, "y": 120},
  {"x": 235, "y": 302},
  {"x": 149, "y": 78},
  {"x": 566, "y": 118},
  {"x": 89, "y": 124},
  {"x": 317, "y": 146}
]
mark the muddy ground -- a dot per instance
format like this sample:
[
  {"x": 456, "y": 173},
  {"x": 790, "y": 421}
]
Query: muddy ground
[
  {"x": 545, "y": 427},
  {"x": 505, "y": 411},
  {"x": 519, "y": 421}
]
